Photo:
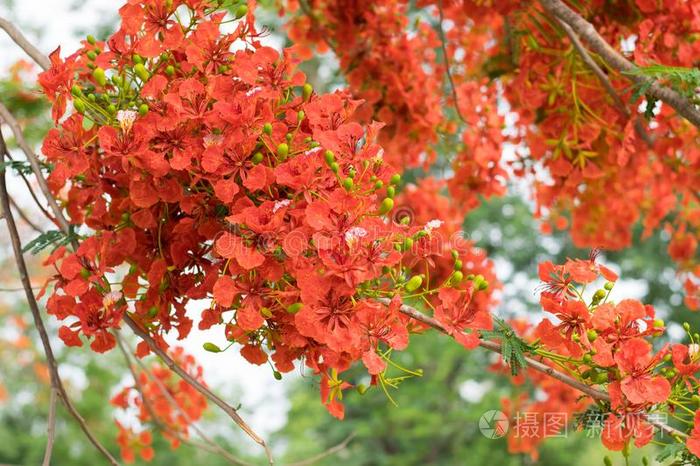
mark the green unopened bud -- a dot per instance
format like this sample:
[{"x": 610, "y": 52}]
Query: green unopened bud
[
  {"x": 645, "y": 461},
  {"x": 257, "y": 158},
  {"x": 138, "y": 59},
  {"x": 457, "y": 277},
  {"x": 352, "y": 173},
  {"x": 659, "y": 323},
  {"x": 91, "y": 55},
  {"x": 601, "y": 377},
  {"x": 306, "y": 91},
  {"x": 599, "y": 294},
  {"x": 667, "y": 357},
  {"x": 379, "y": 184},
  {"x": 112, "y": 109},
  {"x": 294, "y": 308},
  {"x": 407, "y": 244},
  {"x": 265, "y": 311},
  {"x": 329, "y": 156},
  {"x": 484, "y": 285},
  {"x": 211, "y": 347},
  {"x": 152, "y": 312},
  {"x": 277, "y": 375},
  {"x": 587, "y": 358},
  {"x": 141, "y": 72},
  {"x": 288, "y": 137},
  {"x": 99, "y": 75},
  {"x": 391, "y": 191},
  {"x": 362, "y": 389},
  {"x": 348, "y": 183},
  {"x": 76, "y": 91},
  {"x": 301, "y": 115},
  {"x": 458, "y": 265},
  {"x": 143, "y": 109},
  {"x": 686, "y": 326},
  {"x": 592, "y": 335},
  {"x": 386, "y": 206},
  {"x": 575, "y": 336},
  {"x": 608, "y": 285},
  {"x": 455, "y": 254},
  {"x": 283, "y": 150},
  {"x": 335, "y": 167},
  {"x": 117, "y": 80},
  {"x": 696, "y": 399},
  {"x": 223, "y": 68},
  {"x": 607, "y": 461},
  {"x": 413, "y": 284},
  {"x": 241, "y": 11},
  {"x": 267, "y": 128},
  {"x": 170, "y": 70},
  {"x": 92, "y": 97},
  {"x": 79, "y": 106},
  {"x": 91, "y": 39},
  {"x": 395, "y": 179}
]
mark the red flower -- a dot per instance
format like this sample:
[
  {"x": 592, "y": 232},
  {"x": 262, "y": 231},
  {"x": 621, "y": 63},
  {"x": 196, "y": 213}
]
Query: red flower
[
  {"x": 457, "y": 313},
  {"x": 636, "y": 362}
]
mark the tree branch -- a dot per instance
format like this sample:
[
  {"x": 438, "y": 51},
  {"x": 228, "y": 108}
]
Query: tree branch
[
  {"x": 443, "y": 47},
  {"x": 617, "y": 61},
  {"x": 36, "y": 313},
  {"x": 19, "y": 39},
  {"x": 25, "y": 217},
  {"x": 173, "y": 366},
  {"x": 331, "y": 451},
  {"x": 51, "y": 429}
]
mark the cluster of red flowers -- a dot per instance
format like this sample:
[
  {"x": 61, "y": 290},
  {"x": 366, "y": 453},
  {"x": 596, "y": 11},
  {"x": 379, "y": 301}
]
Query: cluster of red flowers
[
  {"x": 203, "y": 166},
  {"x": 160, "y": 398},
  {"x": 608, "y": 168}
]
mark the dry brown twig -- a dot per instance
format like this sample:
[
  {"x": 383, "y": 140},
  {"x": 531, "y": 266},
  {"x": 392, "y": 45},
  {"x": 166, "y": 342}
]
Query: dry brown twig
[{"x": 19, "y": 39}]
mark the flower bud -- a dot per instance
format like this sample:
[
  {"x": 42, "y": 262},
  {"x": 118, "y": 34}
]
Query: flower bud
[
  {"x": 143, "y": 109},
  {"x": 659, "y": 323},
  {"x": 386, "y": 206},
  {"x": 407, "y": 244},
  {"x": 607, "y": 461},
  {"x": 329, "y": 156},
  {"x": 277, "y": 375},
  {"x": 294, "y": 308},
  {"x": 608, "y": 285},
  {"x": 170, "y": 70},
  {"x": 592, "y": 335},
  {"x": 211, "y": 347},
  {"x": 301, "y": 115},
  {"x": 267, "y": 128},
  {"x": 257, "y": 158},
  {"x": 395, "y": 179},
  {"x": 283, "y": 150},
  {"x": 413, "y": 284},
  {"x": 306, "y": 91},
  {"x": 141, "y": 72},
  {"x": 348, "y": 183},
  {"x": 599, "y": 294},
  {"x": 79, "y": 106},
  {"x": 91, "y": 39},
  {"x": 362, "y": 389},
  {"x": 379, "y": 184},
  {"x": 99, "y": 75},
  {"x": 137, "y": 58},
  {"x": 458, "y": 265},
  {"x": 457, "y": 277},
  {"x": 241, "y": 11},
  {"x": 587, "y": 359},
  {"x": 91, "y": 55},
  {"x": 391, "y": 191},
  {"x": 335, "y": 167},
  {"x": 686, "y": 326},
  {"x": 265, "y": 311},
  {"x": 76, "y": 91}
]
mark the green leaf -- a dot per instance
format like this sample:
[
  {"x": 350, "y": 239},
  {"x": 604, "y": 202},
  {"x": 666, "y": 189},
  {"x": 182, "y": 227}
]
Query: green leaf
[
  {"x": 53, "y": 238},
  {"x": 513, "y": 348}
]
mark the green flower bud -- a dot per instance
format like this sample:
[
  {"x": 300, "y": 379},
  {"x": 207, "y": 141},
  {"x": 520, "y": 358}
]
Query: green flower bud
[
  {"x": 143, "y": 109},
  {"x": 152, "y": 312},
  {"x": 294, "y": 308},
  {"x": 76, "y": 91},
  {"x": 592, "y": 335},
  {"x": 112, "y": 109},
  {"x": 587, "y": 358},
  {"x": 329, "y": 156},
  {"x": 257, "y": 158},
  {"x": 458, "y": 265},
  {"x": 79, "y": 106},
  {"x": 362, "y": 389},
  {"x": 484, "y": 285},
  {"x": 241, "y": 11},
  {"x": 92, "y": 97},
  {"x": 599, "y": 294},
  {"x": 141, "y": 72},
  {"x": 267, "y": 128},
  {"x": 137, "y": 58},
  {"x": 223, "y": 68},
  {"x": 301, "y": 115},
  {"x": 265, "y": 311},
  {"x": 686, "y": 326},
  {"x": 379, "y": 184},
  {"x": 659, "y": 323},
  {"x": 170, "y": 70},
  {"x": 91, "y": 39},
  {"x": 608, "y": 285},
  {"x": 211, "y": 347},
  {"x": 457, "y": 277},
  {"x": 391, "y": 191},
  {"x": 386, "y": 206},
  {"x": 283, "y": 150},
  {"x": 99, "y": 75},
  {"x": 288, "y": 137},
  {"x": 277, "y": 375},
  {"x": 407, "y": 244},
  {"x": 91, "y": 55},
  {"x": 348, "y": 183},
  {"x": 607, "y": 461},
  {"x": 413, "y": 284},
  {"x": 117, "y": 80},
  {"x": 335, "y": 167},
  {"x": 395, "y": 179},
  {"x": 306, "y": 91}
]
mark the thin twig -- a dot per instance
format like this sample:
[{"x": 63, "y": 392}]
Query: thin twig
[
  {"x": 443, "y": 46},
  {"x": 25, "y": 217},
  {"x": 618, "y": 62},
  {"x": 31, "y": 191},
  {"x": 19, "y": 39},
  {"x": 8, "y": 118},
  {"x": 175, "y": 367},
  {"x": 603, "y": 78},
  {"x": 51, "y": 428},
  {"x": 213, "y": 446},
  {"x": 56, "y": 381}
]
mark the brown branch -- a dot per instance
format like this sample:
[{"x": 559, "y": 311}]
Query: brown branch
[
  {"x": 211, "y": 396},
  {"x": 56, "y": 381},
  {"x": 19, "y": 39},
  {"x": 31, "y": 190},
  {"x": 51, "y": 429},
  {"x": 534, "y": 364},
  {"x": 603, "y": 78},
  {"x": 210, "y": 445},
  {"x": 8, "y": 118},
  {"x": 618, "y": 62}
]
